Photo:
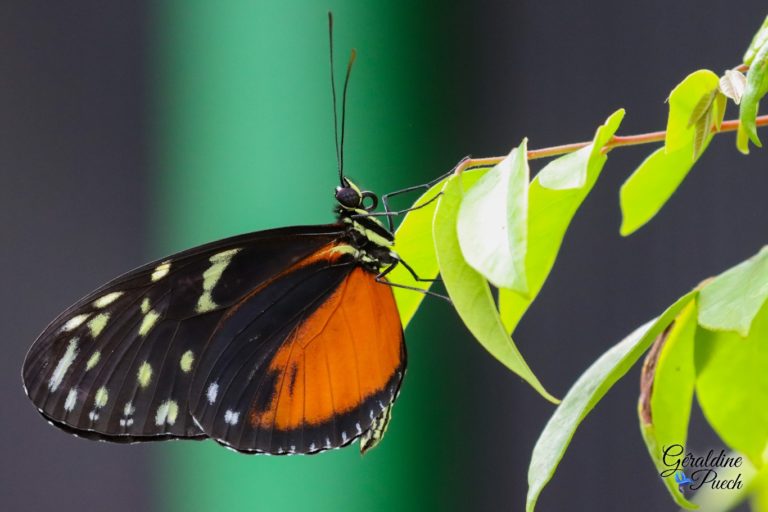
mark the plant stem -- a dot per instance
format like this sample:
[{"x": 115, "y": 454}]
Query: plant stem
[{"x": 616, "y": 141}]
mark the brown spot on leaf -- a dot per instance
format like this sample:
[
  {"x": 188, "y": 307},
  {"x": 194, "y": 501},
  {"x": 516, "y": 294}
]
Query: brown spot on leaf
[{"x": 648, "y": 374}]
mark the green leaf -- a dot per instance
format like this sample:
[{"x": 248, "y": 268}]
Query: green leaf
[
  {"x": 652, "y": 184},
  {"x": 688, "y": 135},
  {"x": 666, "y": 393},
  {"x": 550, "y": 212},
  {"x": 731, "y": 301},
  {"x": 413, "y": 243},
  {"x": 721, "y": 103},
  {"x": 585, "y": 393},
  {"x": 568, "y": 171},
  {"x": 493, "y": 222},
  {"x": 688, "y": 103},
  {"x": 732, "y": 386},
  {"x": 757, "y": 87},
  {"x": 758, "y": 41},
  {"x": 469, "y": 291},
  {"x": 732, "y": 85}
]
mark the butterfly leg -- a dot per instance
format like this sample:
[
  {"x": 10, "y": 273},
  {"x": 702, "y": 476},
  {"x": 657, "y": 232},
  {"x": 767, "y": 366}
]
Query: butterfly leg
[
  {"x": 385, "y": 198},
  {"x": 380, "y": 279}
]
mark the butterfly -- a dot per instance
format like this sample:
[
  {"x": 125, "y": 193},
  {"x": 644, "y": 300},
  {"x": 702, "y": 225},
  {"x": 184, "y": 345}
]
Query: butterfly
[{"x": 285, "y": 341}]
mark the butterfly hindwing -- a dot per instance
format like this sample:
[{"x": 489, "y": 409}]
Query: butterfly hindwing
[
  {"x": 118, "y": 365},
  {"x": 305, "y": 365}
]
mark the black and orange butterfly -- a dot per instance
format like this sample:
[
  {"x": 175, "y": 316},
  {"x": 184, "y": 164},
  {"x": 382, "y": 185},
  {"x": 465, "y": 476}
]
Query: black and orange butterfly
[{"x": 282, "y": 341}]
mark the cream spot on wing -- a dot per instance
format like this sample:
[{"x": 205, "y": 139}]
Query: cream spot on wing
[
  {"x": 219, "y": 263},
  {"x": 212, "y": 393},
  {"x": 93, "y": 360},
  {"x": 98, "y": 323},
  {"x": 149, "y": 321},
  {"x": 75, "y": 322},
  {"x": 161, "y": 271},
  {"x": 63, "y": 365},
  {"x": 107, "y": 299},
  {"x": 144, "y": 375},
  {"x": 145, "y": 306},
  {"x": 71, "y": 400},
  {"x": 167, "y": 413},
  {"x": 231, "y": 417},
  {"x": 100, "y": 400},
  {"x": 129, "y": 409},
  {"x": 186, "y": 361}
]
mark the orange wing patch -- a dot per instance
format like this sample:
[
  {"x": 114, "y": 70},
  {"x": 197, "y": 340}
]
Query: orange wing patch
[{"x": 344, "y": 353}]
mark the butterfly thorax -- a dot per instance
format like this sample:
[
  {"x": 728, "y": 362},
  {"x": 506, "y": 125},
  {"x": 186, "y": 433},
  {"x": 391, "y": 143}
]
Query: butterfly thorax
[{"x": 369, "y": 241}]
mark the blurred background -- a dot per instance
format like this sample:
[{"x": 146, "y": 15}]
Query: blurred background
[{"x": 129, "y": 130}]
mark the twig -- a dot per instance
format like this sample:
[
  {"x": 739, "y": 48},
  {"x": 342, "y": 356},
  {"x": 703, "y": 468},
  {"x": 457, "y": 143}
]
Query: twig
[{"x": 617, "y": 141}]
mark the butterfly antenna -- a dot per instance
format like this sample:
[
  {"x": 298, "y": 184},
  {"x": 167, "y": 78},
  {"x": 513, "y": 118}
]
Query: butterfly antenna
[
  {"x": 352, "y": 57},
  {"x": 333, "y": 93}
]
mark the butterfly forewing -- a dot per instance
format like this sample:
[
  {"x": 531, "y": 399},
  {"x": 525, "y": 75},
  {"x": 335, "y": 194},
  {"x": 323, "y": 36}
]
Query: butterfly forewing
[{"x": 119, "y": 363}]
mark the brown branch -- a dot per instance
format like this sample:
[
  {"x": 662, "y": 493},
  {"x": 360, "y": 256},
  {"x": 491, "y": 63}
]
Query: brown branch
[{"x": 617, "y": 141}]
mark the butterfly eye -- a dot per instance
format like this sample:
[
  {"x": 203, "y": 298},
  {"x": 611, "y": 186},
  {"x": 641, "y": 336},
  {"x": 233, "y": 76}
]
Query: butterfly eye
[
  {"x": 348, "y": 197},
  {"x": 373, "y": 201}
]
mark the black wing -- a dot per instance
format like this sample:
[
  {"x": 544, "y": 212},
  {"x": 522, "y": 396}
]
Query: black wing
[{"x": 118, "y": 365}]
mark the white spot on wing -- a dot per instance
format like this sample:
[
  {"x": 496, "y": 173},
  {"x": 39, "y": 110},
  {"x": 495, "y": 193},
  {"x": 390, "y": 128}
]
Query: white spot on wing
[
  {"x": 129, "y": 409},
  {"x": 75, "y": 322},
  {"x": 212, "y": 393},
  {"x": 107, "y": 299},
  {"x": 231, "y": 417},
  {"x": 69, "y": 403},
  {"x": 63, "y": 365},
  {"x": 167, "y": 413}
]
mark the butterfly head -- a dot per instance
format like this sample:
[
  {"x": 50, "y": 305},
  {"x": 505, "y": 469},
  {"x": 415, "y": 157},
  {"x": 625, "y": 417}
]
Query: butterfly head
[{"x": 350, "y": 197}]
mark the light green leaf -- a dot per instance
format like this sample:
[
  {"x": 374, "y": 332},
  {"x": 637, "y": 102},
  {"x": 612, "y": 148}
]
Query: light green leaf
[
  {"x": 732, "y": 85},
  {"x": 568, "y": 171},
  {"x": 688, "y": 135},
  {"x": 550, "y": 213},
  {"x": 413, "y": 243},
  {"x": 721, "y": 103},
  {"x": 493, "y": 222},
  {"x": 652, "y": 184},
  {"x": 666, "y": 393},
  {"x": 585, "y": 393},
  {"x": 732, "y": 386},
  {"x": 470, "y": 292},
  {"x": 757, "y": 87},
  {"x": 731, "y": 301},
  {"x": 688, "y": 103},
  {"x": 758, "y": 41}
]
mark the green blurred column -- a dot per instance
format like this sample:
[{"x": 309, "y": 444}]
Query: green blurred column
[{"x": 243, "y": 127}]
